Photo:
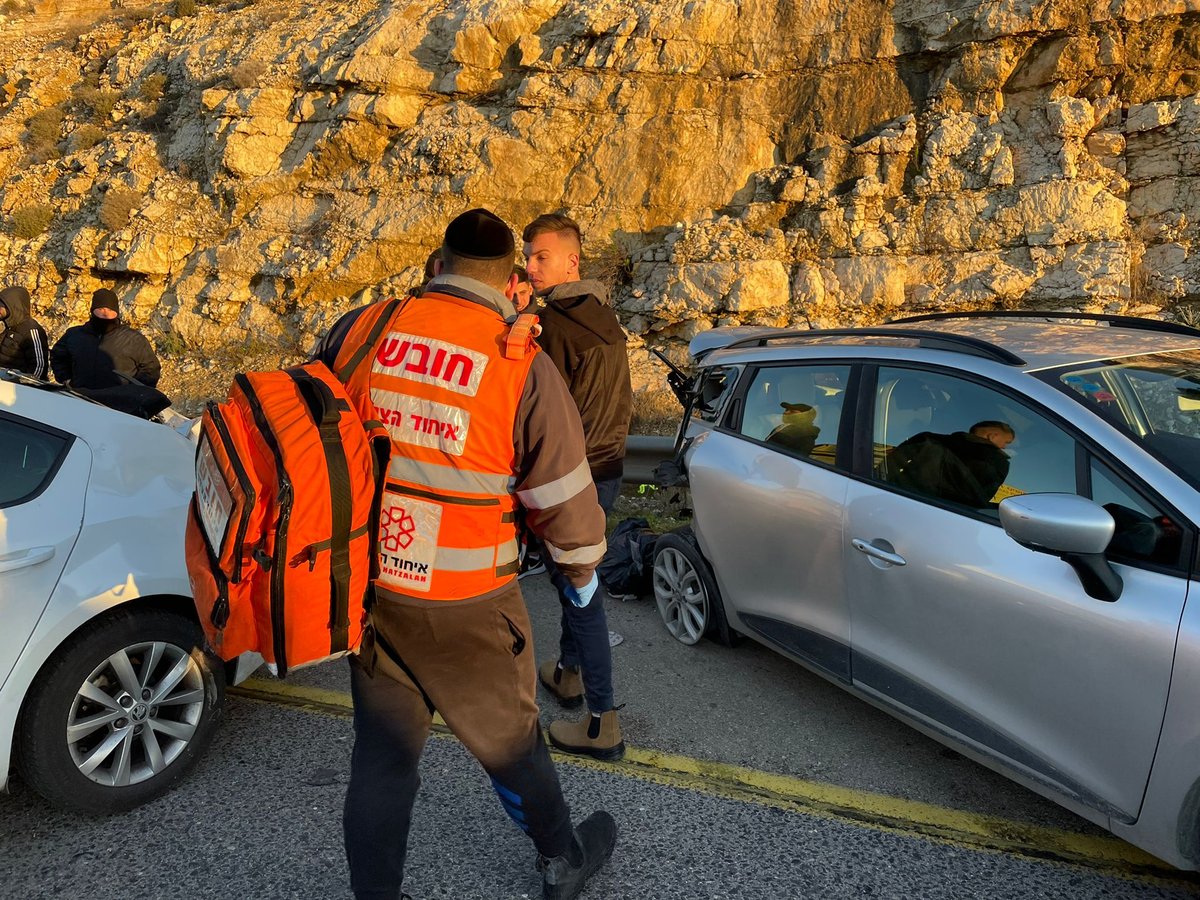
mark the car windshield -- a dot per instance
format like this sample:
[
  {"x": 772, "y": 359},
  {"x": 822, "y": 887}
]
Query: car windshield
[{"x": 1153, "y": 398}]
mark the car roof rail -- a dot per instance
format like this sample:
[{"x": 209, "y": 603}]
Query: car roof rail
[
  {"x": 933, "y": 340},
  {"x": 1111, "y": 320}
]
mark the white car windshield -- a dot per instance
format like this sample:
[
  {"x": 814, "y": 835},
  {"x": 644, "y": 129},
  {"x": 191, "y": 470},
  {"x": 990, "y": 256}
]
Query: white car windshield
[{"x": 1154, "y": 398}]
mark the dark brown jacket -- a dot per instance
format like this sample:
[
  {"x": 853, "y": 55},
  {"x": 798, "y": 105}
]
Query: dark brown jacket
[{"x": 582, "y": 336}]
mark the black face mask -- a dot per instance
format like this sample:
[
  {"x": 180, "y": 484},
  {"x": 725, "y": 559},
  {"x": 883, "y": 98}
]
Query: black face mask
[{"x": 103, "y": 326}]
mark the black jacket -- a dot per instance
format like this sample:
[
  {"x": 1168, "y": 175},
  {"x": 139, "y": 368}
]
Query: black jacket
[
  {"x": 89, "y": 357},
  {"x": 958, "y": 467},
  {"x": 24, "y": 345},
  {"x": 581, "y": 334}
]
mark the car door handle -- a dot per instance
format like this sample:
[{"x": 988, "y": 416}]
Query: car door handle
[
  {"x": 22, "y": 558},
  {"x": 877, "y": 552}
]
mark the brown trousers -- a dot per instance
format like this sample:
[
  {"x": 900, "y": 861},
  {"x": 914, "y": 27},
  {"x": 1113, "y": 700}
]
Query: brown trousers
[{"x": 472, "y": 662}]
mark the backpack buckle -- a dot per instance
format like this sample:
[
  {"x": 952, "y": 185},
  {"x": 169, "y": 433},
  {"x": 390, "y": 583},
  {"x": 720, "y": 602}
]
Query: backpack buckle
[{"x": 521, "y": 334}]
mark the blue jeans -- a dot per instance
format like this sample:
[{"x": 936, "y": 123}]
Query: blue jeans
[{"x": 584, "y": 642}]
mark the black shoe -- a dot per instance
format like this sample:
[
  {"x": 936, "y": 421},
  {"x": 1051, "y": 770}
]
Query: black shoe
[
  {"x": 563, "y": 877},
  {"x": 532, "y": 564}
]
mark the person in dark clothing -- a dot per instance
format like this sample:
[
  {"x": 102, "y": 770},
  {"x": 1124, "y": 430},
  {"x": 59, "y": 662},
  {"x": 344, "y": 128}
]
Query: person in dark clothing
[
  {"x": 963, "y": 467},
  {"x": 23, "y": 346},
  {"x": 95, "y": 355},
  {"x": 797, "y": 431},
  {"x": 582, "y": 336},
  {"x": 523, "y": 295}
]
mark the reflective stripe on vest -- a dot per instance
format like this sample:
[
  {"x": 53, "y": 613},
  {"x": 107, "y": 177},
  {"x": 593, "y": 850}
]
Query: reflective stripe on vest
[{"x": 439, "y": 380}]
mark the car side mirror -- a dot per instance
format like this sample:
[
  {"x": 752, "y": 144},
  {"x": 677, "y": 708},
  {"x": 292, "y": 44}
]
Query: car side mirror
[{"x": 1071, "y": 527}]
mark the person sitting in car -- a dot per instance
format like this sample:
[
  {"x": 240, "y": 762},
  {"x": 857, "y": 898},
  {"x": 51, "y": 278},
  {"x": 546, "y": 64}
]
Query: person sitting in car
[
  {"x": 797, "y": 432},
  {"x": 965, "y": 467}
]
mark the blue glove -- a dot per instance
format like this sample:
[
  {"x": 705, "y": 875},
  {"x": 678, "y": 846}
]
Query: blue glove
[{"x": 581, "y": 597}]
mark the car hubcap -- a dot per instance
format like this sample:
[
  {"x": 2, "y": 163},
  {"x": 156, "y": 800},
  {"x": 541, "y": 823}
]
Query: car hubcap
[
  {"x": 135, "y": 714},
  {"x": 680, "y": 595}
]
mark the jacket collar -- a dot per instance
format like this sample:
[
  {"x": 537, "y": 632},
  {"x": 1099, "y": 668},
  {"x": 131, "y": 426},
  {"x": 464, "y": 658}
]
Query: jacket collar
[{"x": 475, "y": 291}]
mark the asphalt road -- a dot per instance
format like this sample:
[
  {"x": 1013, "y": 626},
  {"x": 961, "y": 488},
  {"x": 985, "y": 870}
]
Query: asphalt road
[{"x": 746, "y": 777}]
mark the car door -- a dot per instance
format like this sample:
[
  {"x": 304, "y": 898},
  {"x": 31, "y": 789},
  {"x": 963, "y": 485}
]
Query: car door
[
  {"x": 43, "y": 481},
  {"x": 961, "y": 628},
  {"x": 768, "y": 490}
]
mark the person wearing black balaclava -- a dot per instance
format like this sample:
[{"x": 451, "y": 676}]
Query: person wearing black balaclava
[
  {"x": 94, "y": 355},
  {"x": 23, "y": 345}
]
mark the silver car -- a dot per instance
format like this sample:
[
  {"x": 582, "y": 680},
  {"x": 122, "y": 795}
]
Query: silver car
[{"x": 985, "y": 524}]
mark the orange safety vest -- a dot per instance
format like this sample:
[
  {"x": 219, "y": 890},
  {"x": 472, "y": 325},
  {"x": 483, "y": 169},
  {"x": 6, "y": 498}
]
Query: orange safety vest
[{"x": 445, "y": 379}]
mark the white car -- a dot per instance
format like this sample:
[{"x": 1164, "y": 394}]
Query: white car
[{"x": 106, "y": 698}]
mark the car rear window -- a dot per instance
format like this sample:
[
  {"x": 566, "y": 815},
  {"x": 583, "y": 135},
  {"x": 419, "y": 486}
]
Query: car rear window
[{"x": 31, "y": 456}]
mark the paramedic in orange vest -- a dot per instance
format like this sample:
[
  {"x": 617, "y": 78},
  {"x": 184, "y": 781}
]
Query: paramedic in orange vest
[{"x": 481, "y": 423}]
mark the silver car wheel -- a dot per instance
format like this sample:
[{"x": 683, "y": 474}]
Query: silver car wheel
[
  {"x": 680, "y": 595},
  {"x": 135, "y": 713}
]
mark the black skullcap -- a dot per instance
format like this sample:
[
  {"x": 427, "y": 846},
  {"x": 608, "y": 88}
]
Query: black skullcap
[
  {"x": 479, "y": 234},
  {"x": 105, "y": 299}
]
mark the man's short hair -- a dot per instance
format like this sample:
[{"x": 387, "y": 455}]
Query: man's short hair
[
  {"x": 558, "y": 223},
  {"x": 993, "y": 423},
  {"x": 522, "y": 275}
]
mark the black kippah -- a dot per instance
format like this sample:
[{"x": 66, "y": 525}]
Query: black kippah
[{"x": 479, "y": 234}]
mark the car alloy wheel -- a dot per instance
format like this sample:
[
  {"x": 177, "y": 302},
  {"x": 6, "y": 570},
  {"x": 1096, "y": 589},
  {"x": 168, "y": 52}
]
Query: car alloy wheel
[
  {"x": 121, "y": 712},
  {"x": 135, "y": 713},
  {"x": 680, "y": 593}
]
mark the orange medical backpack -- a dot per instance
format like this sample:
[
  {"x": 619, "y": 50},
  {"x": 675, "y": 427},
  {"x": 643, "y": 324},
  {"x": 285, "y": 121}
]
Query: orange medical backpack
[{"x": 282, "y": 529}]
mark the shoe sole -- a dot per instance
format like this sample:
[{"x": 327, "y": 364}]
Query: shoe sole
[
  {"x": 566, "y": 702},
  {"x": 604, "y": 754}
]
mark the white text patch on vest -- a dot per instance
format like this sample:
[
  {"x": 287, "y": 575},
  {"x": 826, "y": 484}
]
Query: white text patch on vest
[
  {"x": 424, "y": 423},
  {"x": 431, "y": 361},
  {"x": 408, "y": 536}
]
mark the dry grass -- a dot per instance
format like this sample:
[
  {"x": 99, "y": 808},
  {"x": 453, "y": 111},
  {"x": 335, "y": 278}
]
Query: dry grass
[
  {"x": 85, "y": 137},
  {"x": 44, "y": 129},
  {"x": 246, "y": 75},
  {"x": 117, "y": 206},
  {"x": 30, "y": 221},
  {"x": 151, "y": 89},
  {"x": 655, "y": 412}
]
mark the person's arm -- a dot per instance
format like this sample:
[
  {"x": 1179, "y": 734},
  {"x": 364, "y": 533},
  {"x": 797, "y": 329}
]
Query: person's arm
[
  {"x": 60, "y": 360},
  {"x": 554, "y": 483},
  {"x": 37, "y": 355},
  {"x": 147, "y": 368},
  {"x": 11, "y": 352}
]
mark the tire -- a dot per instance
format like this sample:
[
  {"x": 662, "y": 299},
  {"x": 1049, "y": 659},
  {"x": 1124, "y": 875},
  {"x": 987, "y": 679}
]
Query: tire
[
  {"x": 686, "y": 592},
  {"x": 92, "y": 741}
]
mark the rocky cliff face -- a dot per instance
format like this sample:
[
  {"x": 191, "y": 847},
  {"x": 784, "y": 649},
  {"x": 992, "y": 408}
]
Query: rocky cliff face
[{"x": 243, "y": 172}]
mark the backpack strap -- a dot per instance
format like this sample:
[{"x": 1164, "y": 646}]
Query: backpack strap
[
  {"x": 381, "y": 322},
  {"x": 327, "y": 411},
  {"x": 520, "y": 336}
]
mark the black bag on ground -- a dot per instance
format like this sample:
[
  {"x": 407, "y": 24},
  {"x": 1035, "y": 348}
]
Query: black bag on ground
[{"x": 626, "y": 568}]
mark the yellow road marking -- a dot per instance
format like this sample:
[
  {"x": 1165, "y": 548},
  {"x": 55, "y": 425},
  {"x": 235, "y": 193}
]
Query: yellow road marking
[{"x": 893, "y": 814}]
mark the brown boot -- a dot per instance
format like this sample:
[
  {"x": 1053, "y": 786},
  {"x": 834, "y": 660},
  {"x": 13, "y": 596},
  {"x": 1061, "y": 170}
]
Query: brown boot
[
  {"x": 565, "y": 684},
  {"x": 598, "y": 735}
]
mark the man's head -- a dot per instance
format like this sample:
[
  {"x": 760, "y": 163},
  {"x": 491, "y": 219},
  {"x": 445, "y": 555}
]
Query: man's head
[
  {"x": 14, "y": 303},
  {"x": 479, "y": 244},
  {"x": 553, "y": 247},
  {"x": 999, "y": 434},
  {"x": 104, "y": 305},
  {"x": 524, "y": 289}
]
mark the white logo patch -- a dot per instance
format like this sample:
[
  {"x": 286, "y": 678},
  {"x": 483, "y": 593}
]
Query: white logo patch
[
  {"x": 213, "y": 498},
  {"x": 431, "y": 362},
  {"x": 408, "y": 535},
  {"x": 425, "y": 423}
]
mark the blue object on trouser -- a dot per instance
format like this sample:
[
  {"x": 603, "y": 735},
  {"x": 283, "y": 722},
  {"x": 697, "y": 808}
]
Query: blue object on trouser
[
  {"x": 393, "y": 712},
  {"x": 584, "y": 642}
]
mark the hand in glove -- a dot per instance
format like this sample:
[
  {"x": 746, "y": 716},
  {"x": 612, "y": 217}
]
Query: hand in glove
[{"x": 582, "y": 596}]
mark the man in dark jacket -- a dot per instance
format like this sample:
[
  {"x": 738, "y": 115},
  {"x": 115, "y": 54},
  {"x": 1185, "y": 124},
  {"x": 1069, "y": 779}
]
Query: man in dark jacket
[
  {"x": 582, "y": 336},
  {"x": 24, "y": 344},
  {"x": 965, "y": 467},
  {"x": 95, "y": 355}
]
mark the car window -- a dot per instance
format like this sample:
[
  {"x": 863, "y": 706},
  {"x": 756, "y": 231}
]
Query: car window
[
  {"x": 960, "y": 442},
  {"x": 713, "y": 388},
  {"x": 1143, "y": 532},
  {"x": 797, "y": 409},
  {"x": 30, "y": 458}
]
